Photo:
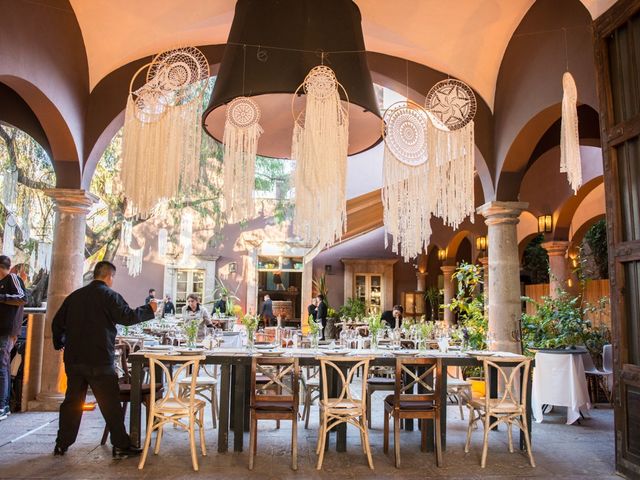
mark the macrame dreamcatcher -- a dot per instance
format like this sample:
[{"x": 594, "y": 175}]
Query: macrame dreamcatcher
[
  {"x": 405, "y": 187},
  {"x": 569, "y": 135},
  {"x": 452, "y": 107},
  {"x": 134, "y": 261},
  {"x": 163, "y": 240},
  {"x": 161, "y": 142},
  {"x": 186, "y": 232},
  {"x": 319, "y": 147},
  {"x": 241, "y": 134}
]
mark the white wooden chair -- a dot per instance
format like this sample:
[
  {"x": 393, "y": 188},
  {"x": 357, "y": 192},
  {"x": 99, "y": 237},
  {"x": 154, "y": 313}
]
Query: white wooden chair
[
  {"x": 176, "y": 406},
  {"x": 510, "y": 408},
  {"x": 345, "y": 408}
]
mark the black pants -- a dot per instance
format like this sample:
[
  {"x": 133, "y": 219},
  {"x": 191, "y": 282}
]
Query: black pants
[
  {"x": 324, "y": 325},
  {"x": 104, "y": 384}
]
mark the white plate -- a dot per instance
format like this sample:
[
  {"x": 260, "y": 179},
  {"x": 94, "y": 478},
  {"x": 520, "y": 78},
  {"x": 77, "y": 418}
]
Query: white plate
[
  {"x": 479, "y": 353},
  {"x": 271, "y": 353},
  {"x": 190, "y": 350},
  {"x": 405, "y": 352},
  {"x": 264, "y": 346},
  {"x": 159, "y": 352},
  {"x": 158, "y": 347},
  {"x": 335, "y": 352}
]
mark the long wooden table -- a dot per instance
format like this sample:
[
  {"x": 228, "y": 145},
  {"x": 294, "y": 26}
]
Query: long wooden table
[{"x": 234, "y": 392}]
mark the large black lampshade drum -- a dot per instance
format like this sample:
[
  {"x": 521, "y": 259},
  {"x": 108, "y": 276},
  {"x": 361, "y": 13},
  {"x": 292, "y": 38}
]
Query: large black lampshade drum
[{"x": 272, "y": 46}]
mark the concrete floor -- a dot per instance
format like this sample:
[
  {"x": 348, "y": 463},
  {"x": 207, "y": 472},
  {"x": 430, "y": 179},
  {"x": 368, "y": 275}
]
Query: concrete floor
[{"x": 583, "y": 451}]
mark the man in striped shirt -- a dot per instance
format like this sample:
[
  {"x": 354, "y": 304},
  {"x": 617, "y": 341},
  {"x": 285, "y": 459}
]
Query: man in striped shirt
[{"x": 12, "y": 300}]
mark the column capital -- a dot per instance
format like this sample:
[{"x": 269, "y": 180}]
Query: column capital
[
  {"x": 556, "y": 248},
  {"x": 501, "y": 212},
  {"x": 448, "y": 269},
  {"x": 71, "y": 200}
]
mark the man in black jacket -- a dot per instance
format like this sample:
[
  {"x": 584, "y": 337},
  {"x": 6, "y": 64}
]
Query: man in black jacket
[
  {"x": 12, "y": 300},
  {"x": 321, "y": 313},
  {"x": 85, "y": 327}
]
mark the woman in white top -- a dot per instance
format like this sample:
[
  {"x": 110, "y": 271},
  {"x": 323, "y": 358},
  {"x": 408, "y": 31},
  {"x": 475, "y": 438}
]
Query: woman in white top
[{"x": 193, "y": 310}]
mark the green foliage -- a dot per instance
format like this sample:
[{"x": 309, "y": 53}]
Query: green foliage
[
  {"x": 375, "y": 323},
  {"x": 432, "y": 295},
  {"x": 563, "y": 321},
  {"x": 191, "y": 330},
  {"x": 314, "y": 325},
  {"x": 596, "y": 239},
  {"x": 535, "y": 261},
  {"x": 469, "y": 304},
  {"x": 320, "y": 285},
  {"x": 332, "y": 313},
  {"x": 250, "y": 322},
  {"x": 354, "y": 308},
  {"x": 221, "y": 290}
]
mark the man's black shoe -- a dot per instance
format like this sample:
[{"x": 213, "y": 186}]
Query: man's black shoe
[
  {"x": 126, "y": 452},
  {"x": 59, "y": 451}
]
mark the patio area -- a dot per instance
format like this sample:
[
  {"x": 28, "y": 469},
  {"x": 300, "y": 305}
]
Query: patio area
[{"x": 561, "y": 451}]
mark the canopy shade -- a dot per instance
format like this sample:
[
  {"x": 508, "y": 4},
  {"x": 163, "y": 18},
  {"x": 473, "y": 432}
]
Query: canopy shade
[{"x": 272, "y": 46}]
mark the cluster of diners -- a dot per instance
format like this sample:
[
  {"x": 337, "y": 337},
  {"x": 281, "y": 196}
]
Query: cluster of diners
[{"x": 244, "y": 385}]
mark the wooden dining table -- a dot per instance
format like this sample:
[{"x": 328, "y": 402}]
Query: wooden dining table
[{"x": 234, "y": 390}]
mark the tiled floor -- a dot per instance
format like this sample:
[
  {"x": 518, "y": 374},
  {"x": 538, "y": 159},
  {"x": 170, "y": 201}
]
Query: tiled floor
[{"x": 583, "y": 451}]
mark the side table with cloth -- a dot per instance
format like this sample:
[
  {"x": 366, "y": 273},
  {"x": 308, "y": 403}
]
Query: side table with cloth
[{"x": 559, "y": 379}]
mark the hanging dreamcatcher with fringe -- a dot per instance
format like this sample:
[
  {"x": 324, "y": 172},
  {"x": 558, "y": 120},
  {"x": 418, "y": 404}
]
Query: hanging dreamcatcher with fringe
[
  {"x": 569, "y": 136},
  {"x": 241, "y": 134},
  {"x": 405, "y": 187},
  {"x": 451, "y": 105},
  {"x": 162, "y": 134},
  {"x": 134, "y": 261},
  {"x": 319, "y": 147}
]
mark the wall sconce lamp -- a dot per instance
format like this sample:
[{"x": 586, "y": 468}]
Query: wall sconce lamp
[
  {"x": 481, "y": 243},
  {"x": 545, "y": 224},
  {"x": 442, "y": 254},
  {"x": 233, "y": 267},
  {"x": 327, "y": 269}
]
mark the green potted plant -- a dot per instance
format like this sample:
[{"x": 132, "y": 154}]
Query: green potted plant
[
  {"x": 432, "y": 295},
  {"x": 314, "y": 331},
  {"x": 425, "y": 334},
  {"x": 376, "y": 325},
  {"x": 191, "y": 331}
]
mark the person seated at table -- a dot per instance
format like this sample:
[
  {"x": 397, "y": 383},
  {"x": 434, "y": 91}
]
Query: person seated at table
[
  {"x": 169, "y": 307},
  {"x": 194, "y": 310},
  {"x": 221, "y": 305},
  {"x": 393, "y": 317}
]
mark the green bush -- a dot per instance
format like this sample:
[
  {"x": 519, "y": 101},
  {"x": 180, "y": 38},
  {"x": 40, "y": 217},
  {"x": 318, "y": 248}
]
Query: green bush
[{"x": 354, "y": 308}]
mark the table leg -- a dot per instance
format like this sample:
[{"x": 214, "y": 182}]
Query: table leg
[
  {"x": 238, "y": 408},
  {"x": 223, "y": 418},
  {"x": 136, "y": 400},
  {"x": 443, "y": 406},
  {"x": 247, "y": 399},
  {"x": 232, "y": 416},
  {"x": 341, "y": 429}
]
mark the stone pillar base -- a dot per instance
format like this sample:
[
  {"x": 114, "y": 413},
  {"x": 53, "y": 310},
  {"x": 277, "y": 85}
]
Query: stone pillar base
[{"x": 46, "y": 403}]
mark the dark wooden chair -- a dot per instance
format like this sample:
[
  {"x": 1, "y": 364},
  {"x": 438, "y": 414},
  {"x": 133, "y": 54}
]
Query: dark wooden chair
[
  {"x": 274, "y": 399},
  {"x": 122, "y": 352},
  {"x": 423, "y": 374}
]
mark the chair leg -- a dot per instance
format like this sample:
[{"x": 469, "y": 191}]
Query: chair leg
[
  {"x": 423, "y": 435},
  {"x": 438, "y": 443},
  {"x": 321, "y": 442},
  {"x": 147, "y": 441},
  {"x": 203, "y": 446},
  {"x": 294, "y": 442},
  {"x": 385, "y": 443},
  {"x": 485, "y": 442},
  {"x": 306, "y": 411},
  {"x": 527, "y": 440},
  {"x": 510, "y": 437},
  {"x": 369, "y": 392},
  {"x": 396, "y": 439},
  {"x": 252, "y": 440},
  {"x": 366, "y": 441},
  {"x": 459, "y": 397},
  {"x": 192, "y": 442},
  {"x": 469, "y": 428},
  {"x": 156, "y": 450}
]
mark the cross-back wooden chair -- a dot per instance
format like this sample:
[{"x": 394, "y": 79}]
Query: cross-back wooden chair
[
  {"x": 277, "y": 398},
  {"x": 311, "y": 391},
  {"x": 411, "y": 374},
  {"x": 206, "y": 387},
  {"x": 510, "y": 407},
  {"x": 177, "y": 405},
  {"x": 345, "y": 407},
  {"x": 122, "y": 350}
]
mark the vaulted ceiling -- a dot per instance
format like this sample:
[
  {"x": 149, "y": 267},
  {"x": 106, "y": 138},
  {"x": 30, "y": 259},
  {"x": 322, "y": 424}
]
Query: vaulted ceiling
[{"x": 466, "y": 39}]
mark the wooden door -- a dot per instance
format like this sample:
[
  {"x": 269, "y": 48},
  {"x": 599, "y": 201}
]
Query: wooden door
[{"x": 617, "y": 49}]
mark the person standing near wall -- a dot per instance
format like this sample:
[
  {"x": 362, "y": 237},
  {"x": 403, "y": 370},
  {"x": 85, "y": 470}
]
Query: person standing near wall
[
  {"x": 321, "y": 313},
  {"x": 12, "y": 301}
]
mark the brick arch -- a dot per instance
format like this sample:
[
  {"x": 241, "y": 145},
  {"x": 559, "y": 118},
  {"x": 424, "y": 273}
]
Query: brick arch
[{"x": 454, "y": 244}]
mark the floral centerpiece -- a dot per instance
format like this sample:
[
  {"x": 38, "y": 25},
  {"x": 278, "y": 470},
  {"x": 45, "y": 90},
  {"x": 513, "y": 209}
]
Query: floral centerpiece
[
  {"x": 376, "y": 325},
  {"x": 191, "y": 331},
  {"x": 425, "y": 333},
  {"x": 250, "y": 323}
]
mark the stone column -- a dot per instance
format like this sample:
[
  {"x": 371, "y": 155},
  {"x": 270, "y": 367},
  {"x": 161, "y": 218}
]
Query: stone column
[
  {"x": 67, "y": 261},
  {"x": 558, "y": 269},
  {"x": 484, "y": 261},
  {"x": 504, "y": 273},
  {"x": 447, "y": 271}
]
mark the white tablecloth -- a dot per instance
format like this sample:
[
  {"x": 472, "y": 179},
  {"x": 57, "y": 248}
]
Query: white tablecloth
[{"x": 559, "y": 379}]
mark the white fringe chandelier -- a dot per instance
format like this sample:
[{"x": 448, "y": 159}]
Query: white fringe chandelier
[
  {"x": 319, "y": 147},
  {"x": 162, "y": 133},
  {"x": 570, "y": 162},
  {"x": 428, "y": 165}
]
